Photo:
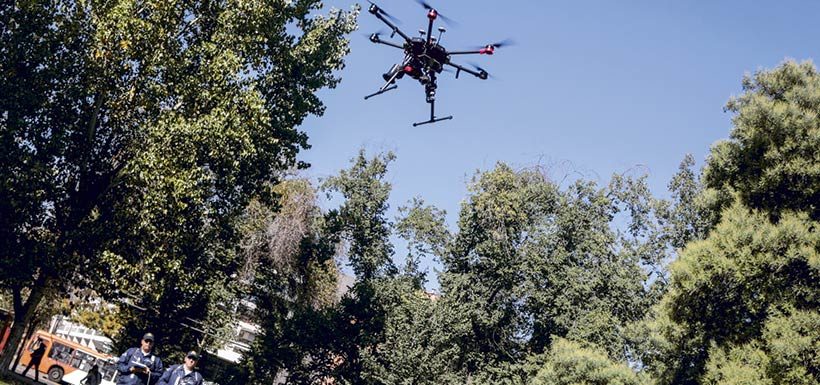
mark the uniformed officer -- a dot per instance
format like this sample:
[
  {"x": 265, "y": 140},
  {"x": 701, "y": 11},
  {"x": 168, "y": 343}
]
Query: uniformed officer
[
  {"x": 184, "y": 374},
  {"x": 140, "y": 366}
]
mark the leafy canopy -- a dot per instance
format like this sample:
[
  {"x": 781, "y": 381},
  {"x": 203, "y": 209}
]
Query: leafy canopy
[{"x": 133, "y": 133}]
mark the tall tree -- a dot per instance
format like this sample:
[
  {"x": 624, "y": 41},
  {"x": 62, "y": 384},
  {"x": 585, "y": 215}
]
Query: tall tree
[
  {"x": 531, "y": 262},
  {"x": 733, "y": 288},
  {"x": 132, "y": 133},
  {"x": 290, "y": 278},
  {"x": 362, "y": 222},
  {"x": 690, "y": 215},
  {"x": 749, "y": 275},
  {"x": 772, "y": 159},
  {"x": 362, "y": 217},
  {"x": 786, "y": 353},
  {"x": 418, "y": 344}
]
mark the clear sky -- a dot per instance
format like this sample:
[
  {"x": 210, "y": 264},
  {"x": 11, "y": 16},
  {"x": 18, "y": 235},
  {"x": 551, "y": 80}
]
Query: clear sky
[{"x": 595, "y": 87}]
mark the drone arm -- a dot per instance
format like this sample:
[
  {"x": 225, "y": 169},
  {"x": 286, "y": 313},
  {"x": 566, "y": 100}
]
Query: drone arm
[
  {"x": 377, "y": 40},
  {"x": 479, "y": 74},
  {"x": 391, "y": 25},
  {"x": 387, "y": 85},
  {"x": 430, "y": 29},
  {"x": 477, "y": 52}
]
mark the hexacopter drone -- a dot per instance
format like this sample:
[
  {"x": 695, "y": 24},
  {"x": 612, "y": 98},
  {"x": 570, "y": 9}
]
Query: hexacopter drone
[{"x": 424, "y": 57}]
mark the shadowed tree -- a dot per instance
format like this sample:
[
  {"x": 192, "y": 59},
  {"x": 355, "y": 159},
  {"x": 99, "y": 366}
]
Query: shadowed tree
[
  {"x": 132, "y": 133},
  {"x": 290, "y": 278},
  {"x": 730, "y": 291}
]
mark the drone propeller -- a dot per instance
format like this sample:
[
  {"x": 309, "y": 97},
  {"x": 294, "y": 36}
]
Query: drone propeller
[
  {"x": 429, "y": 7},
  {"x": 489, "y": 48},
  {"x": 376, "y": 34},
  {"x": 480, "y": 70},
  {"x": 502, "y": 43},
  {"x": 384, "y": 13}
]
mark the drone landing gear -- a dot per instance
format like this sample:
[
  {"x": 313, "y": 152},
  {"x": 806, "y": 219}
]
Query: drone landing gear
[
  {"x": 432, "y": 120},
  {"x": 390, "y": 78},
  {"x": 431, "y": 98},
  {"x": 381, "y": 91}
]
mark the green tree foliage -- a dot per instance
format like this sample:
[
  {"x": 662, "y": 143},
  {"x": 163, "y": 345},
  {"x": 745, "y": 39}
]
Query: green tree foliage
[
  {"x": 362, "y": 223},
  {"x": 786, "y": 353},
  {"x": 418, "y": 346},
  {"x": 744, "y": 289},
  {"x": 308, "y": 334},
  {"x": 132, "y": 133},
  {"x": 531, "y": 261},
  {"x": 484, "y": 276},
  {"x": 424, "y": 229},
  {"x": 772, "y": 160},
  {"x": 689, "y": 217},
  {"x": 362, "y": 219},
  {"x": 569, "y": 363},
  {"x": 98, "y": 315},
  {"x": 725, "y": 289},
  {"x": 289, "y": 277}
]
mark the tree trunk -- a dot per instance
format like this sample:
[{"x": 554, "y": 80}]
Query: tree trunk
[
  {"x": 23, "y": 314},
  {"x": 26, "y": 336}
]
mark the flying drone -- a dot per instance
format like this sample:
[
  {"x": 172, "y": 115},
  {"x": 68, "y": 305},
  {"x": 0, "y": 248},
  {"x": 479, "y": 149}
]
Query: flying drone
[{"x": 424, "y": 57}]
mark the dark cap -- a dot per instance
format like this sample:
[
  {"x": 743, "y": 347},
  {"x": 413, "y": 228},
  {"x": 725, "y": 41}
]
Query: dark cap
[
  {"x": 192, "y": 355},
  {"x": 148, "y": 337}
]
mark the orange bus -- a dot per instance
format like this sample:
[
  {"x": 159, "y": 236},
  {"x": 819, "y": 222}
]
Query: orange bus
[{"x": 68, "y": 361}]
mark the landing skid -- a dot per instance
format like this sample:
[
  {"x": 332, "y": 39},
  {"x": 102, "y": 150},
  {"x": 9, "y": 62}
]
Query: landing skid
[
  {"x": 432, "y": 121},
  {"x": 381, "y": 91}
]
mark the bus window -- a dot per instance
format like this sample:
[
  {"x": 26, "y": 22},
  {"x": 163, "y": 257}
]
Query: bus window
[
  {"x": 108, "y": 369},
  {"x": 61, "y": 353},
  {"x": 82, "y": 360}
]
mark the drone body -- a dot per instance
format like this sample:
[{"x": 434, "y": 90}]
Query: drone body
[{"x": 424, "y": 57}]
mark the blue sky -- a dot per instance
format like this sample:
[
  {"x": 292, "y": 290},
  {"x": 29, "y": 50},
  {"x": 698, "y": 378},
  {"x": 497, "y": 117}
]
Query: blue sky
[{"x": 591, "y": 87}]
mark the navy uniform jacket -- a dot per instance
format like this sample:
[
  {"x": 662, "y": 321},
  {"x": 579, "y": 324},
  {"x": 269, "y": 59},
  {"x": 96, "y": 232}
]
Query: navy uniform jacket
[
  {"x": 177, "y": 371},
  {"x": 129, "y": 359}
]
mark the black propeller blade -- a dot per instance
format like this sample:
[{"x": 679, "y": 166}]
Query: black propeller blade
[
  {"x": 385, "y": 14},
  {"x": 502, "y": 43},
  {"x": 445, "y": 19},
  {"x": 480, "y": 70},
  {"x": 374, "y": 37},
  {"x": 377, "y": 34}
]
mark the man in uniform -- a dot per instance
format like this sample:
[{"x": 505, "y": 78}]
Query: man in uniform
[
  {"x": 139, "y": 366},
  {"x": 184, "y": 374}
]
